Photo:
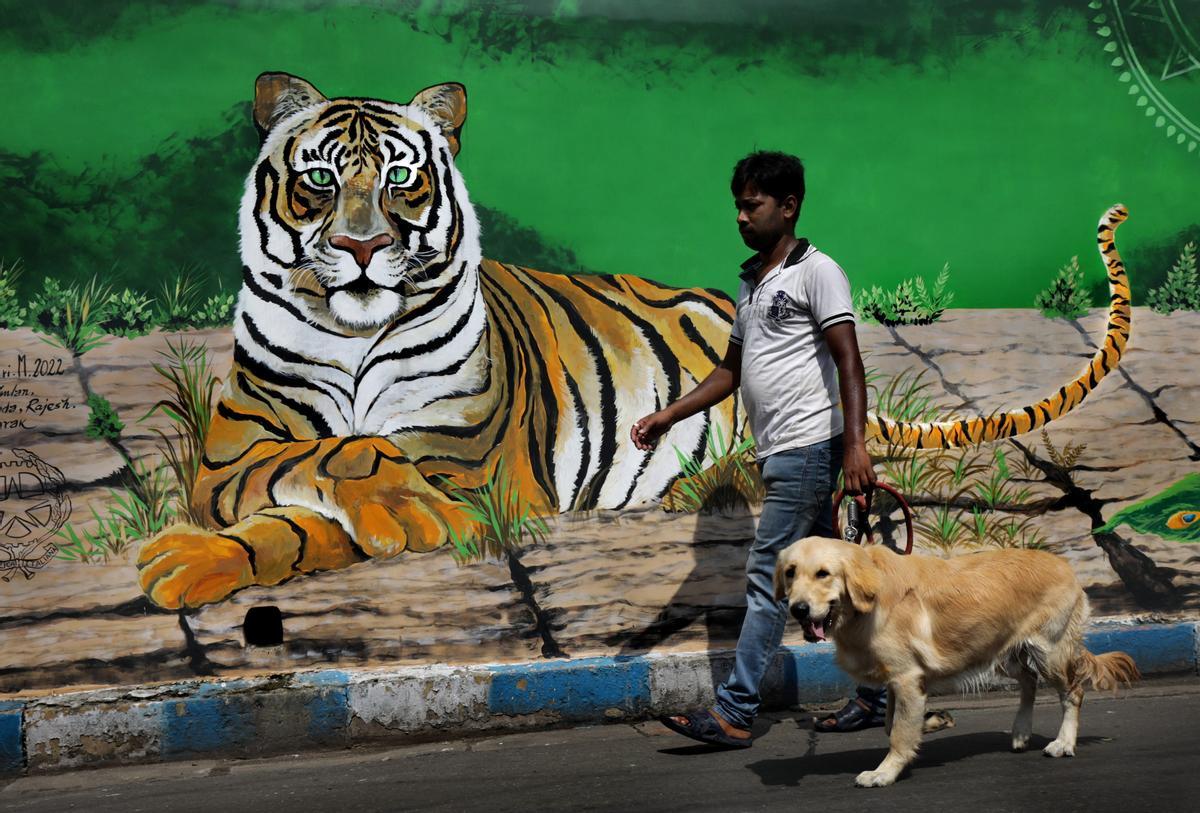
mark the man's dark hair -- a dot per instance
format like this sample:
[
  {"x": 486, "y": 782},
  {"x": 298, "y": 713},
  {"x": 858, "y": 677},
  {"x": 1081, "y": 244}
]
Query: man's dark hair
[{"x": 773, "y": 173}]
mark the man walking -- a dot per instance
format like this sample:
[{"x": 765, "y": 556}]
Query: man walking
[{"x": 794, "y": 353}]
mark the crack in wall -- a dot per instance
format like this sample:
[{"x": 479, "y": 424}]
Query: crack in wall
[
  {"x": 1160, "y": 415},
  {"x": 139, "y": 606},
  {"x": 196, "y": 654},
  {"x": 927, "y": 359},
  {"x": 85, "y": 383},
  {"x": 1151, "y": 586},
  {"x": 541, "y": 620}
]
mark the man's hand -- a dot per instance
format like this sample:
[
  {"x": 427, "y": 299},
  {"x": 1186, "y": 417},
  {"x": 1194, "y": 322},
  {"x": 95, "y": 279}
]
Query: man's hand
[
  {"x": 716, "y": 387},
  {"x": 858, "y": 474},
  {"x": 646, "y": 431}
]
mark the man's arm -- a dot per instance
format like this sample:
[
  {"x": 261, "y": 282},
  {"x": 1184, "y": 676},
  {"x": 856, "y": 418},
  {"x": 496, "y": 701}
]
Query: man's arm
[
  {"x": 716, "y": 387},
  {"x": 857, "y": 471}
]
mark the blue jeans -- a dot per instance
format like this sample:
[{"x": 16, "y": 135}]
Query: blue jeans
[{"x": 799, "y": 502}]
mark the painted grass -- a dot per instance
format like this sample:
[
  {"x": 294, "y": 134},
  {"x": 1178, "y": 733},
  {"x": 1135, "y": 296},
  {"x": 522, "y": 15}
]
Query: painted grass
[
  {"x": 500, "y": 520},
  {"x": 187, "y": 378},
  {"x": 726, "y": 478},
  {"x": 966, "y": 498},
  {"x": 135, "y": 513},
  {"x": 71, "y": 314}
]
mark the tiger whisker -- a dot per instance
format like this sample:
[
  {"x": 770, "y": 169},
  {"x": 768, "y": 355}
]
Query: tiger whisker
[{"x": 305, "y": 277}]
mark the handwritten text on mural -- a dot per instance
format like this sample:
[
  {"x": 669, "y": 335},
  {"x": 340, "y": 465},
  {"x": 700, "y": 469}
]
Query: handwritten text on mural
[{"x": 19, "y": 403}]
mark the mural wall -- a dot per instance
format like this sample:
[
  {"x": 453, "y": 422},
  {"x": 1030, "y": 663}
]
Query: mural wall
[{"x": 323, "y": 325}]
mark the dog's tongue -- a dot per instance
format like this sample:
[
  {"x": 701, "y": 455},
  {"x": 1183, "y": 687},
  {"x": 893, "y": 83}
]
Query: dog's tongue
[{"x": 815, "y": 630}]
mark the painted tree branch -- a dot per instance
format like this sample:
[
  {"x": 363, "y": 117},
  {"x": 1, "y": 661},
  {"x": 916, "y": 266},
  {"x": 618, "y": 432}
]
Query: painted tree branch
[{"x": 1150, "y": 585}]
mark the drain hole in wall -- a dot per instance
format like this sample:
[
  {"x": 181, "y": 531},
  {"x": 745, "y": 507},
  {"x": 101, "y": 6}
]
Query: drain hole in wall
[{"x": 263, "y": 626}]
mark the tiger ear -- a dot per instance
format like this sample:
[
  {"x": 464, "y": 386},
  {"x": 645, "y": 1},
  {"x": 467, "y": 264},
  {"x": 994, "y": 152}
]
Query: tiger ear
[
  {"x": 447, "y": 104},
  {"x": 277, "y": 96}
]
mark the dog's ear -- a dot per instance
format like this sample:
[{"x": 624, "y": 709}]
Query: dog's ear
[
  {"x": 862, "y": 581},
  {"x": 780, "y": 580}
]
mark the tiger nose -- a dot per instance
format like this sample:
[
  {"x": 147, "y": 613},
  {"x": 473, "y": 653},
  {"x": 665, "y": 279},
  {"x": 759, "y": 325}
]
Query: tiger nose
[{"x": 363, "y": 250}]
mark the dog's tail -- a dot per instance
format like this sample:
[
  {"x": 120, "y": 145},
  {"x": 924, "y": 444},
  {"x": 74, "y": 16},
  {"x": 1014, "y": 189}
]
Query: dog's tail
[{"x": 1106, "y": 672}]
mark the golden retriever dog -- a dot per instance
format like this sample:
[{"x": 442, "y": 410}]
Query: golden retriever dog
[{"x": 919, "y": 623}]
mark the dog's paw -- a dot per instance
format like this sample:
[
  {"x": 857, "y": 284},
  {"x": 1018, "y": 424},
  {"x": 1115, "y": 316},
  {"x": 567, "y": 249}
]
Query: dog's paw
[
  {"x": 1058, "y": 749},
  {"x": 937, "y": 721},
  {"x": 1020, "y": 742},
  {"x": 874, "y": 779}
]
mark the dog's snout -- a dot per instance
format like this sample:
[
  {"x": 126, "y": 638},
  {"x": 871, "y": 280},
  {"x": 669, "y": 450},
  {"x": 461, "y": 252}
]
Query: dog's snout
[{"x": 800, "y": 611}]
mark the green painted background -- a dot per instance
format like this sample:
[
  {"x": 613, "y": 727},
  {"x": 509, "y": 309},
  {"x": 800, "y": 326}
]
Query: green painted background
[{"x": 600, "y": 135}]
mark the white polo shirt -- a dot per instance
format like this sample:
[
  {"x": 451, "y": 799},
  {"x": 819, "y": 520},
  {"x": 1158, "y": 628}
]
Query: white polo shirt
[{"x": 789, "y": 380}]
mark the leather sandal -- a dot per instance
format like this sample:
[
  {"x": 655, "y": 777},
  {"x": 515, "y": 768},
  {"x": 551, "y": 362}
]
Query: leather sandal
[
  {"x": 703, "y": 726},
  {"x": 856, "y": 715}
]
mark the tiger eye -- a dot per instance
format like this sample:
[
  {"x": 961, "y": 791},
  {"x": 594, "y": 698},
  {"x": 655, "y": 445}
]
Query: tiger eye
[
  {"x": 398, "y": 175},
  {"x": 320, "y": 177}
]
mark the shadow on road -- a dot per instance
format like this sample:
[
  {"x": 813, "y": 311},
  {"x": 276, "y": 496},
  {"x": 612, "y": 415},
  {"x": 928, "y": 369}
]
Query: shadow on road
[{"x": 935, "y": 752}]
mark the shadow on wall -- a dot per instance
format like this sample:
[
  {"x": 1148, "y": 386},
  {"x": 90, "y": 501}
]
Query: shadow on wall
[{"x": 714, "y": 592}]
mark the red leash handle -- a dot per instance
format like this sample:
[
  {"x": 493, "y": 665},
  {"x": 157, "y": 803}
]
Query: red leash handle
[{"x": 857, "y": 524}]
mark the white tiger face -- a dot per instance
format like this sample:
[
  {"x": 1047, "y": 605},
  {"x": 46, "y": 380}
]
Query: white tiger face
[{"x": 355, "y": 212}]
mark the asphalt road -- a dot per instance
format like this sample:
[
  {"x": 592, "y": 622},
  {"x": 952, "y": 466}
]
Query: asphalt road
[{"x": 1137, "y": 752}]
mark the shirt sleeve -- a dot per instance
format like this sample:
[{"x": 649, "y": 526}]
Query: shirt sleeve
[
  {"x": 738, "y": 330},
  {"x": 828, "y": 292}
]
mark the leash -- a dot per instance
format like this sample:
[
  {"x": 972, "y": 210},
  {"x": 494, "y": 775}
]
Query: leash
[{"x": 857, "y": 525}]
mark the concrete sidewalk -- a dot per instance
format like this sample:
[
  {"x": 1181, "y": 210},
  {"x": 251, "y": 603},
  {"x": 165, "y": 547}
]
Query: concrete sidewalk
[{"x": 334, "y": 708}]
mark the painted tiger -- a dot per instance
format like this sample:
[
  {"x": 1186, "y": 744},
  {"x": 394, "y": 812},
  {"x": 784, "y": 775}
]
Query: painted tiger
[{"x": 379, "y": 358}]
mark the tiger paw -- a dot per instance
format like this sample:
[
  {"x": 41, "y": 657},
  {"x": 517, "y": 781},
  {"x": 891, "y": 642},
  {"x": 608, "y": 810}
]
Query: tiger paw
[
  {"x": 186, "y": 567},
  {"x": 398, "y": 510},
  {"x": 382, "y": 531}
]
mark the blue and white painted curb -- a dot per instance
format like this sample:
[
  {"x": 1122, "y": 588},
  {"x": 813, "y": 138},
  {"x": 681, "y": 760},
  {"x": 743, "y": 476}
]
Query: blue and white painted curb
[{"x": 332, "y": 708}]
